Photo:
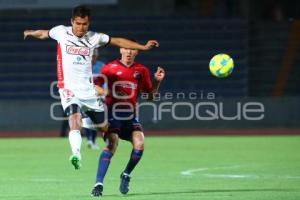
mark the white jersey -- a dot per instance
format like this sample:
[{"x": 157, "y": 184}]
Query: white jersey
[{"x": 74, "y": 67}]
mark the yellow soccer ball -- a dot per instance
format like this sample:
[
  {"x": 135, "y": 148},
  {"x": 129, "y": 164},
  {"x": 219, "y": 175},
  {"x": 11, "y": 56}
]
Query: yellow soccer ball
[{"x": 221, "y": 65}]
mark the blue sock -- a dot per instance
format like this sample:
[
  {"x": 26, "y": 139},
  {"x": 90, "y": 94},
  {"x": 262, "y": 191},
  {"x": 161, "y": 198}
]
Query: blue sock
[
  {"x": 94, "y": 135},
  {"x": 88, "y": 134},
  {"x": 135, "y": 157},
  {"x": 104, "y": 162}
]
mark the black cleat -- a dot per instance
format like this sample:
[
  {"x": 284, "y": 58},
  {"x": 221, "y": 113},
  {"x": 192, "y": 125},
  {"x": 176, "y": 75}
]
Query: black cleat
[
  {"x": 97, "y": 190},
  {"x": 124, "y": 184}
]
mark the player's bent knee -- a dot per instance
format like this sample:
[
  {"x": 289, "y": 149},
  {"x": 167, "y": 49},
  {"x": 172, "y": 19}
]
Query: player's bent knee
[
  {"x": 138, "y": 145},
  {"x": 138, "y": 140},
  {"x": 112, "y": 142},
  {"x": 72, "y": 109},
  {"x": 112, "y": 147}
]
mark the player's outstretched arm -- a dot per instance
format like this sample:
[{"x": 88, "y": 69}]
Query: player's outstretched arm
[
  {"x": 159, "y": 75},
  {"x": 39, "y": 34},
  {"x": 124, "y": 43}
]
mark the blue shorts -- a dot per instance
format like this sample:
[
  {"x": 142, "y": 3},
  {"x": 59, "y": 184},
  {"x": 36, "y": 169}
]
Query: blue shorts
[{"x": 123, "y": 127}]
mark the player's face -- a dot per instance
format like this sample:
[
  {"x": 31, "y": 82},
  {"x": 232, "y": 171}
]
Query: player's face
[
  {"x": 80, "y": 25},
  {"x": 128, "y": 55}
]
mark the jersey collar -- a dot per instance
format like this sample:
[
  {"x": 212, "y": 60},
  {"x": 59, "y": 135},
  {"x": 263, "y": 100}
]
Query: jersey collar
[
  {"x": 84, "y": 36},
  {"x": 119, "y": 61}
]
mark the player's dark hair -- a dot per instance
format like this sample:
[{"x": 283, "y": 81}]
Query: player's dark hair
[{"x": 81, "y": 11}]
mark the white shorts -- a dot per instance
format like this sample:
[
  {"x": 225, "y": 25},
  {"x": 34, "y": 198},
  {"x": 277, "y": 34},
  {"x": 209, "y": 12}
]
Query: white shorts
[{"x": 67, "y": 98}]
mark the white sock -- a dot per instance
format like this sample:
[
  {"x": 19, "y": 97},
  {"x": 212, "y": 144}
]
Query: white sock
[
  {"x": 98, "y": 183},
  {"x": 75, "y": 142}
]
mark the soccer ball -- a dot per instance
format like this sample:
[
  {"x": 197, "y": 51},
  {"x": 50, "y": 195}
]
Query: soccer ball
[{"x": 221, "y": 65}]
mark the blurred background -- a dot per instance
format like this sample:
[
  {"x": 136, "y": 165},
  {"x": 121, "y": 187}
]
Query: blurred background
[{"x": 262, "y": 36}]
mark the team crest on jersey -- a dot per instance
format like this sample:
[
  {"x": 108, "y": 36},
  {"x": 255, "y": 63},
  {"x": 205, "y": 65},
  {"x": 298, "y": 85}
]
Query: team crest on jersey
[
  {"x": 75, "y": 50},
  {"x": 136, "y": 75},
  {"x": 119, "y": 73}
]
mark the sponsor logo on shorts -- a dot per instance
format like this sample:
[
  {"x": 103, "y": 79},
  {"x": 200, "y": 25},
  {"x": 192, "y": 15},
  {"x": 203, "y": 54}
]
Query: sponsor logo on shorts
[{"x": 67, "y": 94}]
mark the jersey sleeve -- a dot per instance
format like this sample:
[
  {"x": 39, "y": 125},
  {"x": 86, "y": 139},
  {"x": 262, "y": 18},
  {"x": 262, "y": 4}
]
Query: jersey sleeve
[
  {"x": 146, "y": 83},
  {"x": 56, "y": 32},
  {"x": 103, "y": 39}
]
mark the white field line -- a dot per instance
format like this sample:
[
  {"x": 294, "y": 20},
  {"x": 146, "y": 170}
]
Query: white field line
[
  {"x": 43, "y": 180},
  {"x": 231, "y": 176},
  {"x": 192, "y": 171},
  {"x": 290, "y": 177}
]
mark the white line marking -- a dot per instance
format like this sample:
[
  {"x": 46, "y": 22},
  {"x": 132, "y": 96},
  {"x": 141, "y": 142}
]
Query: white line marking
[
  {"x": 289, "y": 177},
  {"x": 232, "y": 176},
  {"x": 32, "y": 180},
  {"x": 192, "y": 171}
]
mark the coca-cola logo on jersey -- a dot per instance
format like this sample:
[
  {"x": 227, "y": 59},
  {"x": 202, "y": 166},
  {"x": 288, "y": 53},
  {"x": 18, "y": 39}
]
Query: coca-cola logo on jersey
[{"x": 74, "y": 50}]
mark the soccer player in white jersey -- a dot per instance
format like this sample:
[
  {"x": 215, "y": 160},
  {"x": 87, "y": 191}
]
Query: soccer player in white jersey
[{"x": 75, "y": 45}]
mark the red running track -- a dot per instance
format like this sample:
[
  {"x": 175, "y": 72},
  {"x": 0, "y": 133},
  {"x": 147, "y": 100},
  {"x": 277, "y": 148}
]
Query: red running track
[{"x": 183, "y": 132}]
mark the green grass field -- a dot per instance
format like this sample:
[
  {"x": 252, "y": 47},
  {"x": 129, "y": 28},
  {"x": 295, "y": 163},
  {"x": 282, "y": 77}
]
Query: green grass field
[{"x": 183, "y": 168}]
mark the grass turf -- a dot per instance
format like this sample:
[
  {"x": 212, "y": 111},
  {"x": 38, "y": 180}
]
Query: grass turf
[{"x": 174, "y": 168}]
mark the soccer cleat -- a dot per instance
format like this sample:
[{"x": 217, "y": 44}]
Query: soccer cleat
[
  {"x": 97, "y": 190},
  {"x": 124, "y": 184},
  {"x": 75, "y": 161}
]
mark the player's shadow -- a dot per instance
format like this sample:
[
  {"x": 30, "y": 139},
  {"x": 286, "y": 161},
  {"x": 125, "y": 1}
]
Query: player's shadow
[{"x": 210, "y": 191}]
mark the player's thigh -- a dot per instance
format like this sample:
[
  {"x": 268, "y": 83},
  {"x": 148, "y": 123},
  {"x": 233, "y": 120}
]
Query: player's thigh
[
  {"x": 71, "y": 106},
  {"x": 114, "y": 125},
  {"x": 74, "y": 116},
  {"x": 72, "y": 111},
  {"x": 132, "y": 130}
]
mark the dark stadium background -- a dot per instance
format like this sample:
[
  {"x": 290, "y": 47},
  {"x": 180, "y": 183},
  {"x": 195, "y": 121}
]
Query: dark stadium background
[
  {"x": 240, "y": 159},
  {"x": 261, "y": 36}
]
